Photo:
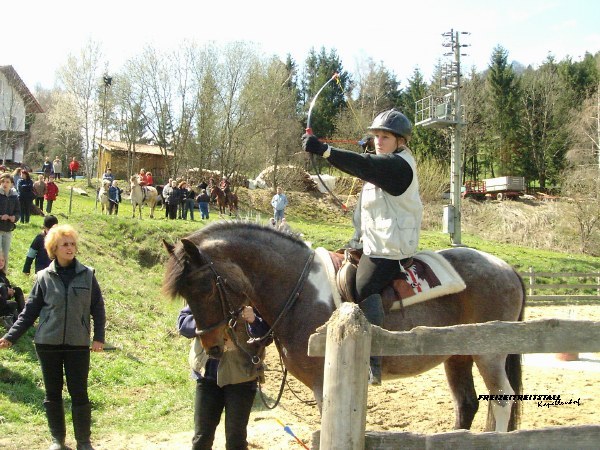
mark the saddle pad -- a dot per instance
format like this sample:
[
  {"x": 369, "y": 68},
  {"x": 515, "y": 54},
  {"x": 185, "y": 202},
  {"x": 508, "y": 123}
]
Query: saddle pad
[
  {"x": 429, "y": 276},
  {"x": 325, "y": 257}
]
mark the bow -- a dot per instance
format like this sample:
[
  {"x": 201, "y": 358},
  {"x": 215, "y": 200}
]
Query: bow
[{"x": 335, "y": 76}]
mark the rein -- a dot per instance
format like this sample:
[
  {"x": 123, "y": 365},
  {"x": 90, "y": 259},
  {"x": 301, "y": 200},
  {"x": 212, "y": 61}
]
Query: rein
[{"x": 230, "y": 316}]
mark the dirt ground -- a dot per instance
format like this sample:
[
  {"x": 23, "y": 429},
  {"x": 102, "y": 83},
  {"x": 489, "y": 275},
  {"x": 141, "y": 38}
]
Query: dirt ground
[{"x": 421, "y": 404}]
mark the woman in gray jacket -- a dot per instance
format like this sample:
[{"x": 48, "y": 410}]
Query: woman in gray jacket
[{"x": 65, "y": 296}]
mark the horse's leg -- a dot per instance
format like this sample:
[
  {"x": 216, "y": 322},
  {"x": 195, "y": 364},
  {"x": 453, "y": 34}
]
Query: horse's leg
[
  {"x": 459, "y": 372},
  {"x": 492, "y": 369}
]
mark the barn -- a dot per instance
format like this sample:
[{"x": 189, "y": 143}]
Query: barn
[{"x": 115, "y": 154}]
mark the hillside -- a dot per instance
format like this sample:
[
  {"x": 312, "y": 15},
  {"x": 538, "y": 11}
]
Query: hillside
[{"x": 144, "y": 377}]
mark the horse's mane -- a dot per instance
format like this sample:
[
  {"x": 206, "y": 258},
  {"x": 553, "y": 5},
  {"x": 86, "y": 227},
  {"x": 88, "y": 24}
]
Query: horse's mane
[
  {"x": 240, "y": 226},
  {"x": 176, "y": 267}
]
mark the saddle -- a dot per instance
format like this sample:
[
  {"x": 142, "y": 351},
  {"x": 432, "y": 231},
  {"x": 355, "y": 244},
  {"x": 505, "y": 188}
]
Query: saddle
[{"x": 425, "y": 276}]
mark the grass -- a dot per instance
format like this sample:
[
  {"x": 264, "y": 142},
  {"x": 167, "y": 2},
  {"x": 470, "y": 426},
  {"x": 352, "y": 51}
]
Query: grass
[{"x": 143, "y": 385}]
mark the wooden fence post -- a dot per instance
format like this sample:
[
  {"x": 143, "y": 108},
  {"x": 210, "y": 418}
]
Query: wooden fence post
[{"x": 345, "y": 386}]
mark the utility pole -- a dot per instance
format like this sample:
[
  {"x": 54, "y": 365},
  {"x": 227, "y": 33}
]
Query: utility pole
[{"x": 444, "y": 111}]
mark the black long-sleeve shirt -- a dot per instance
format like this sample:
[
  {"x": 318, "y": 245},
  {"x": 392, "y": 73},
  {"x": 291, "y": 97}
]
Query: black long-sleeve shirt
[{"x": 388, "y": 172}]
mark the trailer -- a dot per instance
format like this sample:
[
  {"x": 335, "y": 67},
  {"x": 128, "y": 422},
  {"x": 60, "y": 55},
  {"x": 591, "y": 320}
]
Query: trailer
[{"x": 504, "y": 187}]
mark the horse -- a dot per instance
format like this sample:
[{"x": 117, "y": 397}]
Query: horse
[
  {"x": 139, "y": 197},
  {"x": 103, "y": 196},
  {"x": 227, "y": 265},
  {"x": 224, "y": 201}
]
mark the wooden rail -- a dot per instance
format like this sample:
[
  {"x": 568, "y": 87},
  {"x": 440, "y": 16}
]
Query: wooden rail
[
  {"x": 533, "y": 285},
  {"x": 345, "y": 343}
]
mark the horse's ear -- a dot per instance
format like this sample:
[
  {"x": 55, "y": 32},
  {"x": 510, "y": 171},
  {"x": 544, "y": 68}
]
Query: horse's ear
[
  {"x": 193, "y": 253},
  {"x": 169, "y": 247}
]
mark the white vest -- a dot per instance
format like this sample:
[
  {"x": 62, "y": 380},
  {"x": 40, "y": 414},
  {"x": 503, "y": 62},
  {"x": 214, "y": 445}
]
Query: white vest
[{"x": 390, "y": 225}]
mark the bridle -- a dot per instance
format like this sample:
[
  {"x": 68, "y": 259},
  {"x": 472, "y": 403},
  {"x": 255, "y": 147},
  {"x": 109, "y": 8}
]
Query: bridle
[{"x": 230, "y": 313}]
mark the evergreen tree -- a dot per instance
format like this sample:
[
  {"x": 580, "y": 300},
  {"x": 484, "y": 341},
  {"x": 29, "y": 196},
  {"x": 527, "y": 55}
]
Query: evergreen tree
[{"x": 502, "y": 113}]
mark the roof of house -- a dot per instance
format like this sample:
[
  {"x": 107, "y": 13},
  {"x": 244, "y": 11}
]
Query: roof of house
[
  {"x": 118, "y": 146},
  {"x": 31, "y": 104}
]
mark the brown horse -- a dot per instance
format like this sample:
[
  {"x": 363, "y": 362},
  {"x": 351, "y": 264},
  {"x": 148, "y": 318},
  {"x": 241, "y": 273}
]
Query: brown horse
[
  {"x": 229, "y": 200},
  {"x": 224, "y": 266}
]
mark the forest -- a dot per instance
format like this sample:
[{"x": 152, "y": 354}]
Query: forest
[{"x": 231, "y": 108}]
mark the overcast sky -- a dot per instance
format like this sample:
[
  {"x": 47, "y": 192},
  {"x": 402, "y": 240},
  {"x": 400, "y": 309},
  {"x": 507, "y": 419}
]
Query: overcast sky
[{"x": 38, "y": 35}]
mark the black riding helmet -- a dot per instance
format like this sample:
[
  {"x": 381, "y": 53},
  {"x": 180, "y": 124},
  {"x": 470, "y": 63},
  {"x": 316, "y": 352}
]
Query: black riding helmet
[{"x": 393, "y": 121}]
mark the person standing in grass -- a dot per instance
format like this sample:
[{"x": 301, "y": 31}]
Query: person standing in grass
[
  {"x": 229, "y": 383},
  {"x": 10, "y": 212},
  {"x": 65, "y": 297},
  {"x": 39, "y": 189},
  {"x": 203, "y": 200},
  {"x": 57, "y": 165},
  {"x": 37, "y": 251},
  {"x": 26, "y": 196},
  {"x": 279, "y": 202},
  {"x": 51, "y": 193},
  {"x": 114, "y": 197}
]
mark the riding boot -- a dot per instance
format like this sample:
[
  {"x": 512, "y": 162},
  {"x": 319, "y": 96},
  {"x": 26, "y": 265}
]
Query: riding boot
[
  {"x": 56, "y": 422},
  {"x": 82, "y": 424},
  {"x": 372, "y": 307}
]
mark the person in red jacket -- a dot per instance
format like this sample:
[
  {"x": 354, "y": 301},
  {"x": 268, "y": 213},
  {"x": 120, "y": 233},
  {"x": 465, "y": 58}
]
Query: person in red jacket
[
  {"x": 74, "y": 167},
  {"x": 149, "y": 179},
  {"x": 51, "y": 193}
]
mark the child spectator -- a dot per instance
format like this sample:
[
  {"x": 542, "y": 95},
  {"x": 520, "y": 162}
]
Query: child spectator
[
  {"x": 51, "y": 193},
  {"x": 37, "y": 252}
]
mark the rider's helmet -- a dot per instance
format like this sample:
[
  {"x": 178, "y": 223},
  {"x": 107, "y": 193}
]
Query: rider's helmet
[{"x": 393, "y": 121}]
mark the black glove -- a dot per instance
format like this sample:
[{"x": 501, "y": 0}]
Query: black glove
[{"x": 311, "y": 144}]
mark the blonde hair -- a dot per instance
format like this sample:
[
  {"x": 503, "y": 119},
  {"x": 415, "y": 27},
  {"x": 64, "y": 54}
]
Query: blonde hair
[{"x": 55, "y": 234}]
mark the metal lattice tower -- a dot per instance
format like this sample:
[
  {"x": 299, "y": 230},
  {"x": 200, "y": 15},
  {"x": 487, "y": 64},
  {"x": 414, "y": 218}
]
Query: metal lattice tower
[{"x": 441, "y": 111}]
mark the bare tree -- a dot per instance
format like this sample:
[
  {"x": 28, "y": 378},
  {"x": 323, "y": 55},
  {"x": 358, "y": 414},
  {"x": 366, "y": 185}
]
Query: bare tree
[
  {"x": 582, "y": 185},
  {"x": 80, "y": 77},
  {"x": 272, "y": 116}
]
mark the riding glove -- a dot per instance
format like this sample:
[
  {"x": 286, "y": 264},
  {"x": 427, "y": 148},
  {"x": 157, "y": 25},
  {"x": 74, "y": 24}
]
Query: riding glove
[{"x": 311, "y": 144}]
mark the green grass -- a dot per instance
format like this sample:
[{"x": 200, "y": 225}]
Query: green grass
[{"x": 143, "y": 385}]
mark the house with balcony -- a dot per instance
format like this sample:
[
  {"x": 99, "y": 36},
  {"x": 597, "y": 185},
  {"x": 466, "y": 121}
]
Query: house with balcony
[{"x": 17, "y": 105}]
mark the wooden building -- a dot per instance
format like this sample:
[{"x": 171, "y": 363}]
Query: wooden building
[{"x": 115, "y": 154}]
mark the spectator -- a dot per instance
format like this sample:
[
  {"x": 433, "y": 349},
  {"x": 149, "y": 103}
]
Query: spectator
[
  {"x": 203, "y": 200},
  {"x": 108, "y": 175},
  {"x": 12, "y": 301},
  {"x": 284, "y": 227},
  {"x": 37, "y": 252},
  {"x": 74, "y": 167},
  {"x": 114, "y": 198},
  {"x": 65, "y": 296},
  {"x": 279, "y": 202},
  {"x": 202, "y": 185},
  {"x": 57, "y": 165},
  {"x": 51, "y": 193},
  {"x": 225, "y": 383},
  {"x": 26, "y": 196},
  {"x": 10, "y": 212},
  {"x": 39, "y": 190},
  {"x": 47, "y": 167},
  {"x": 174, "y": 200},
  {"x": 149, "y": 179},
  {"x": 187, "y": 195},
  {"x": 166, "y": 195},
  {"x": 16, "y": 177},
  {"x": 272, "y": 223}
]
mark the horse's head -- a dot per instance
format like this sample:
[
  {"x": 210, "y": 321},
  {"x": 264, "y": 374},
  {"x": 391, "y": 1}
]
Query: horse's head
[
  {"x": 215, "y": 291},
  {"x": 135, "y": 180}
]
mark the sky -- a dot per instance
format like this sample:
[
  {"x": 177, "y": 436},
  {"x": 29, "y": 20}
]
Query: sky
[{"x": 39, "y": 35}]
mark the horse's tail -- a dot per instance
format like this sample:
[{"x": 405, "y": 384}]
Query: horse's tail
[{"x": 513, "y": 367}]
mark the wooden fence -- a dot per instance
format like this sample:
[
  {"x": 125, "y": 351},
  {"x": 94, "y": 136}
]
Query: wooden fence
[
  {"x": 573, "y": 292},
  {"x": 349, "y": 340}
]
